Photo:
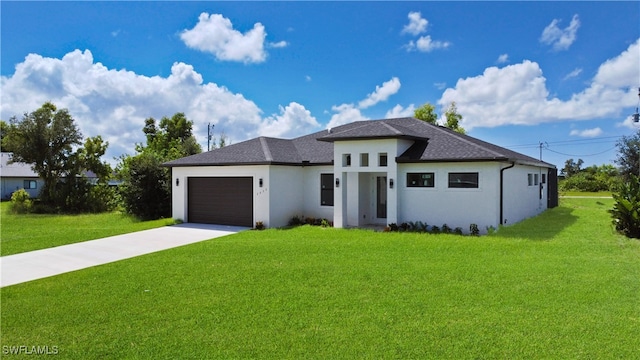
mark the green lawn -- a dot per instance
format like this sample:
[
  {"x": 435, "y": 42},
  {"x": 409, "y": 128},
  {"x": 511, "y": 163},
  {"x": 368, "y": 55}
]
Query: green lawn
[
  {"x": 559, "y": 286},
  {"x": 20, "y": 233}
]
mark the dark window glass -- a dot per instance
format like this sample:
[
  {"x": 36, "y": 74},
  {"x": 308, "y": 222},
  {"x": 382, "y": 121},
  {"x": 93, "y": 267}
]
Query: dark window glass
[
  {"x": 326, "y": 189},
  {"x": 383, "y": 160},
  {"x": 30, "y": 184},
  {"x": 463, "y": 180},
  {"x": 420, "y": 180}
]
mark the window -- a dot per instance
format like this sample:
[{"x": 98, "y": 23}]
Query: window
[
  {"x": 463, "y": 180},
  {"x": 420, "y": 179},
  {"x": 326, "y": 189},
  {"x": 364, "y": 160},
  {"x": 30, "y": 184},
  {"x": 382, "y": 159},
  {"x": 346, "y": 160},
  {"x": 544, "y": 178},
  {"x": 533, "y": 179}
]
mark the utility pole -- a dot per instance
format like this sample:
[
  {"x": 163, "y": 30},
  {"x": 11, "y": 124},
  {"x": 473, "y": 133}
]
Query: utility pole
[{"x": 209, "y": 133}]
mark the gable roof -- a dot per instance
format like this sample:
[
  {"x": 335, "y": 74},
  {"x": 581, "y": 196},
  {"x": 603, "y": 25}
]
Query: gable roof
[{"x": 432, "y": 143}]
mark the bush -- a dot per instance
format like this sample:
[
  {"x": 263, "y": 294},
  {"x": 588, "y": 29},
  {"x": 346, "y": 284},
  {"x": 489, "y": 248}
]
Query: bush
[
  {"x": 626, "y": 208},
  {"x": 474, "y": 230},
  {"x": 21, "y": 202},
  {"x": 259, "y": 225}
]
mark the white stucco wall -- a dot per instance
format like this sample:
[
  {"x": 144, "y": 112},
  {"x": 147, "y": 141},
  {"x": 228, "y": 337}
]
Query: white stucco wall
[
  {"x": 452, "y": 206},
  {"x": 312, "y": 206},
  {"x": 355, "y": 210},
  {"x": 260, "y": 195},
  {"x": 286, "y": 191},
  {"x": 521, "y": 200}
]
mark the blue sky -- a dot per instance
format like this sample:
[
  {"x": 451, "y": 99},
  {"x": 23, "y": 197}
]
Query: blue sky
[{"x": 521, "y": 73}]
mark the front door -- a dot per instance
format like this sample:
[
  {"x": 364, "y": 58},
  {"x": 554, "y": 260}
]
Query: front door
[{"x": 381, "y": 197}]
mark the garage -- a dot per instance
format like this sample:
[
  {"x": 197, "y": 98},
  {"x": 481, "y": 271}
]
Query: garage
[{"x": 220, "y": 200}]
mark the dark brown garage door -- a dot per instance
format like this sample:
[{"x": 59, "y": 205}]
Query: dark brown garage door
[{"x": 221, "y": 200}]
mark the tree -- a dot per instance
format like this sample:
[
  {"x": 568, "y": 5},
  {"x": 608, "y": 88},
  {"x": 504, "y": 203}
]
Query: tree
[
  {"x": 45, "y": 138},
  {"x": 571, "y": 167},
  {"x": 454, "y": 118},
  {"x": 49, "y": 139},
  {"x": 146, "y": 189},
  {"x": 426, "y": 113},
  {"x": 629, "y": 155},
  {"x": 4, "y": 129}
]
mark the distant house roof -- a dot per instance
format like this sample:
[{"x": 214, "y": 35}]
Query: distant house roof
[
  {"x": 16, "y": 169},
  {"x": 431, "y": 144}
]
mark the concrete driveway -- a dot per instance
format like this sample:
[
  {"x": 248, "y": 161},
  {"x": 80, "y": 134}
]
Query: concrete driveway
[{"x": 43, "y": 263}]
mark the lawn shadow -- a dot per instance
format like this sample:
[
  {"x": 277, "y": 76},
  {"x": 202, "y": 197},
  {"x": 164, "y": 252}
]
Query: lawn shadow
[{"x": 542, "y": 227}]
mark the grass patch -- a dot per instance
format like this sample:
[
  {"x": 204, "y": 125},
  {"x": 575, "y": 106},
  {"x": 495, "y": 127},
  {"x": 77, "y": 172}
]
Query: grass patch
[
  {"x": 586, "y": 194},
  {"x": 27, "y": 232},
  {"x": 561, "y": 285}
]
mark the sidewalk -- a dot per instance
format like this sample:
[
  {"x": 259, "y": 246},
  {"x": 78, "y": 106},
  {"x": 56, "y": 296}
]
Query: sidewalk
[{"x": 43, "y": 263}]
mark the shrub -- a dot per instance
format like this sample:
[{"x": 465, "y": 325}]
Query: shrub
[
  {"x": 435, "y": 229},
  {"x": 325, "y": 223},
  {"x": 404, "y": 226},
  {"x": 446, "y": 229},
  {"x": 296, "y": 221},
  {"x": 626, "y": 208},
  {"x": 259, "y": 225},
  {"x": 474, "y": 230},
  {"x": 393, "y": 227},
  {"x": 21, "y": 202},
  {"x": 458, "y": 231}
]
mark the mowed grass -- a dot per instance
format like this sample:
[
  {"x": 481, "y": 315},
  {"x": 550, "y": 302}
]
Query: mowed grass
[
  {"x": 28, "y": 232},
  {"x": 560, "y": 286}
]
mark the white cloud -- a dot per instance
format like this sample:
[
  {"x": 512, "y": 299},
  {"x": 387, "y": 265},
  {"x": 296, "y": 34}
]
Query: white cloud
[
  {"x": 215, "y": 34},
  {"x": 426, "y": 44},
  {"x": 503, "y": 58},
  {"x": 417, "y": 25},
  {"x": 294, "y": 120},
  {"x": 278, "y": 45},
  {"x": 308, "y": 78},
  {"x": 115, "y": 103},
  {"x": 574, "y": 73},
  {"x": 517, "y": 94},
  {"x": 344, "y": 114},
  {"x": 399, "y": 112},
  {"x": 560, "y": 39},
  {"x": 588, "y": 133},
  {"x": 381, "y": 93}
]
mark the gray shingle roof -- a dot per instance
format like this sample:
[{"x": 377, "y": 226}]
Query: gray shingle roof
[{"x": 432, "y": 144}]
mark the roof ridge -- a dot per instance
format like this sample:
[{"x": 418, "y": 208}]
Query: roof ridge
[
  {"x": 393, "y": 129},
  {"x": 265, "y": 148}
]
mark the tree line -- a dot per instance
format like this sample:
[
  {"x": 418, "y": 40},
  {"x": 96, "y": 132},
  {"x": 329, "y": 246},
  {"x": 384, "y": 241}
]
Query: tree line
[{"x": 75, "y": 178}]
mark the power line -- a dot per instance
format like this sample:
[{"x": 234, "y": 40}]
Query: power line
[{"x": 586, "y": 155}]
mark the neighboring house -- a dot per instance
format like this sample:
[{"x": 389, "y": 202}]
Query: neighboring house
[
  {"x": 15, "y": 176},
  {"x": 367, "y": 172}
]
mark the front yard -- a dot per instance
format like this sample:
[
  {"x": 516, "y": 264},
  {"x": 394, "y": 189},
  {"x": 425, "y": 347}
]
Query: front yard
[
  {"x": 562, "y": 285},
  {"x": 28, "y": 232}
]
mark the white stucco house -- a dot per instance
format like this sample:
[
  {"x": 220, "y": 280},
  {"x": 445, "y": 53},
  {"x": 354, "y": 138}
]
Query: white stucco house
[
  {"x": 17, "y": 175},
  {"x": 363, "y": 173}
]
